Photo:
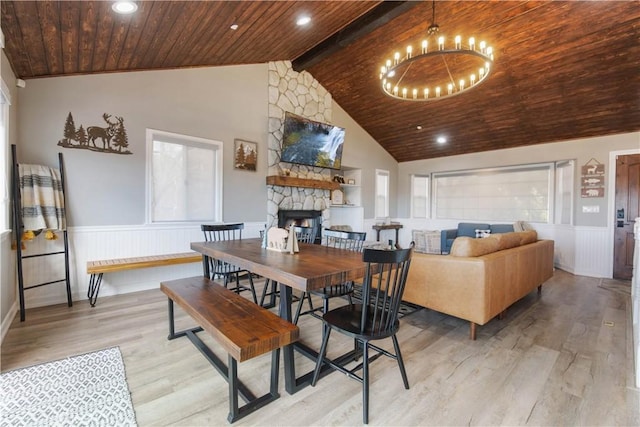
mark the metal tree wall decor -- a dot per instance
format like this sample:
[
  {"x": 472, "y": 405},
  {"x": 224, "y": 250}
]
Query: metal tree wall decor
[{"x": 110, "y": 139}]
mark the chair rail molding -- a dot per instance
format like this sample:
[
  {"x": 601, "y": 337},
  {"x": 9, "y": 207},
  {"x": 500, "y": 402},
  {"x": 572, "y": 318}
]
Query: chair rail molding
[{"x": 90, "y": 243}]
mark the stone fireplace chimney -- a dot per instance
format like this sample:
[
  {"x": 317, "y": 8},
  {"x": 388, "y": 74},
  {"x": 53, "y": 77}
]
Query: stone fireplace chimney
[{"x": 301, "y": 94}]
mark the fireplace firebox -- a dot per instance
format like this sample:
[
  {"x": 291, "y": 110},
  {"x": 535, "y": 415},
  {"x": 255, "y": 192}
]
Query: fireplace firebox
[{"x": 302, "y": 218}]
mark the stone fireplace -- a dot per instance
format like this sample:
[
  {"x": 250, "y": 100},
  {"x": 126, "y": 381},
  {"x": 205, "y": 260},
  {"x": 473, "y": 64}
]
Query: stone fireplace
[
  {"x": 301, "y": 218},
  {"x": 300, "y": 94}
]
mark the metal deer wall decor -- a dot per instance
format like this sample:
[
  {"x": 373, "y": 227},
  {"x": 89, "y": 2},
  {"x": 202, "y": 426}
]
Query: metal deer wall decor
[{"x": 110, "y": 139}]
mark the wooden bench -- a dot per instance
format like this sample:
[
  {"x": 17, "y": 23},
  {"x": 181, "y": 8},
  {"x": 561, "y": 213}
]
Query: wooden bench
[
  {"x": 244, "y": 329},
  {"x": 97, "y": 268}
]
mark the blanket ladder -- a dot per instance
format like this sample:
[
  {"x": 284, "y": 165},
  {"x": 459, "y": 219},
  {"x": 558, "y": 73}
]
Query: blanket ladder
[{"x": 18, "y": 228}]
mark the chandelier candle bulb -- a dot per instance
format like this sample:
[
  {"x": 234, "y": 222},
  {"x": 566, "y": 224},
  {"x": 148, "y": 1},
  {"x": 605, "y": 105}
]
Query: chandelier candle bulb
[
  {"x": 426, "y": 93},
  {"x": 472, "y": 79},
  {"x": 396, "y": 58},
  {"x": 461, "y": 84},
  {"x": 483, "y": 47},
  {"x": 425, "y": 45},
  {"x": 472, "y": 43},
  {"x": 409, "y": 52},
  {"x": 458, "y": 40},
  {"x": 438, "y": 92},
  {"x": 441, "y": 43},
  {"x": 415, "y": 94},
  {"x": 449, "y": 89},
  {"x": 404, "y": 92}
]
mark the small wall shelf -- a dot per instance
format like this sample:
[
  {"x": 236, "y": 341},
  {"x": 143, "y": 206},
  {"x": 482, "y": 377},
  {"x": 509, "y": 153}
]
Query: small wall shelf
[{"x": 289, "y": 181}]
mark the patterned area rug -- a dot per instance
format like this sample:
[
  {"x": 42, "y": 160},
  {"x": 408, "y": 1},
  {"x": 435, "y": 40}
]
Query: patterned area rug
[
  {"x": 86, "y": 390},
  {"x": 405, "y": 307}
]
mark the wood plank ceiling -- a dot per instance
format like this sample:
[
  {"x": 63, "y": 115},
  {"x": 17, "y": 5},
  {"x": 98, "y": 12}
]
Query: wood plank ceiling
[{"x": 563, "y": 70}]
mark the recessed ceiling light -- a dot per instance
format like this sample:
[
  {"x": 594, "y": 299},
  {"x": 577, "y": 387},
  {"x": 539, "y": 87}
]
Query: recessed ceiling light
[
  {"x": 234, "y": 26},
  {"x": 303, "y": 20},
  {"x": 419, "y": 127},
  {"x": 124, "y": 7},
  {"x": 441, "y": 140}
]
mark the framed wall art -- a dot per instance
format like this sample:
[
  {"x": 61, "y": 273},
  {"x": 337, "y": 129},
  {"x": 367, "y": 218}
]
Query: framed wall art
[{"x": 245, "y": 155}]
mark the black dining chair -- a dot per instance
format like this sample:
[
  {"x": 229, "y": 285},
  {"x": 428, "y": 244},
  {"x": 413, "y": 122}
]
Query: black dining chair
[
  {"x": 229, "y": 272},
  {"x": 348, "y": 240},
  {"x": 303, "y": 235},
  {"x": 374, "y": 319}
]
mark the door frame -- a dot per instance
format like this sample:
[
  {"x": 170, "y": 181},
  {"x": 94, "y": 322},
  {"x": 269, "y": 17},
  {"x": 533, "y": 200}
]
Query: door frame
[{"x": 611, "y": 188}]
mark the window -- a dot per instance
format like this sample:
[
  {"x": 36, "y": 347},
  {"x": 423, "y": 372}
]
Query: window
[
  {"x": 5, "y": 101},
  {"x": 382, "y": 193},
  {"x": 184, "y": 178},
  {"x": 419, "y": 196},
  {"x": 511, "y": 193}
]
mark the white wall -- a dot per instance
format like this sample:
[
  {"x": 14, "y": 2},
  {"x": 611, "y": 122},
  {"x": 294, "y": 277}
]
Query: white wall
[
  {"x": 362, "y": 151},
  {"x": 219, "y": 103},
  {"x": 583, "y": 150}
]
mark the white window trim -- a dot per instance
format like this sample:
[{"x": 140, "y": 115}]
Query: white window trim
[
  {"x": 150, "y": 133},
  {"x": 381, "y": 172},
  {"x": 5, "y": 158}
]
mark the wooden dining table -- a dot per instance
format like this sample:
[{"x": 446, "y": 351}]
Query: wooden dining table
[{"x": 313, "y": 267}]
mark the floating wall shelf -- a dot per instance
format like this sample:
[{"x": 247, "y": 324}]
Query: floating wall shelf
[{"x": 289, "y": 181}]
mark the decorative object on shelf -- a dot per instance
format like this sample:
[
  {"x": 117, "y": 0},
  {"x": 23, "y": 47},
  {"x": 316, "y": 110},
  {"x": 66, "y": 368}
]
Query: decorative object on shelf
[
  {"x": 424, "y": 74},
  {"x": 113, "y": 137},
  {"x": 245, "y": 155},
  {"x": 339, "y": 179},
  {"x": 592, "y": 179},
  {"x": 351, "y": 181},
  {"x": 337, "y": 197}
]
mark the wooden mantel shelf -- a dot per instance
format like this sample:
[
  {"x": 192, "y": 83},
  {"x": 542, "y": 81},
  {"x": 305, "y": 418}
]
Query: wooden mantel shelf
[{"x": 289, "y": 181}]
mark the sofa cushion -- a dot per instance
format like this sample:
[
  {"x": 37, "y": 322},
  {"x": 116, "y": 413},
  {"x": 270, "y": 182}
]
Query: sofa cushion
[
  {"x": 528, "y": 236},
  {"x": 507, "y": 240},
  {"x": 472, "y": 247},
  {"x": 501, "y": 228},
  {"x": 469, "y": 228}
]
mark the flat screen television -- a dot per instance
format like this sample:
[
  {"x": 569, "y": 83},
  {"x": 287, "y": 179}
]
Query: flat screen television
[{"x": 311, "y": 143}]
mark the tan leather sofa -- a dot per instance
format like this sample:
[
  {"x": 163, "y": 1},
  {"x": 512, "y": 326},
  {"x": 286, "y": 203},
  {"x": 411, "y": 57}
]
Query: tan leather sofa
[{"x": 481, "y": 278}]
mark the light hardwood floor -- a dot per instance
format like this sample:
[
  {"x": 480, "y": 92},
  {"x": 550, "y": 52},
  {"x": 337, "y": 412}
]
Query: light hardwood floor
[{"x": 564, "y": 358}]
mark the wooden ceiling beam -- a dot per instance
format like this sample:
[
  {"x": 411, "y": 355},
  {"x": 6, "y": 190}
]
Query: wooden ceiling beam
[{"x": 375, "y": 18}]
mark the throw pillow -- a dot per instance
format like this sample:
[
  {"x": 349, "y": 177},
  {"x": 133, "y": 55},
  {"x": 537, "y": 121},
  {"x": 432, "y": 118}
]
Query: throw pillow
[
  {"x": 418, "y": 237},
  {"x": 482, "y": 233},
  {"x": 426, "y": 241}
]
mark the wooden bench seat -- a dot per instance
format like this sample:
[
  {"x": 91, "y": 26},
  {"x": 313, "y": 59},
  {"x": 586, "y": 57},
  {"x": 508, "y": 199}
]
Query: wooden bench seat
[
  {"x": 97, "y": 268},
  {"x": 244, "y": 329}
]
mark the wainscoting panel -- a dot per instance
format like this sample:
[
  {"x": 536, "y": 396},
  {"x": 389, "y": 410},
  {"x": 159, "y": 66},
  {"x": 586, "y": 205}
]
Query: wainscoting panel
[{"x": 97, "y": 243}]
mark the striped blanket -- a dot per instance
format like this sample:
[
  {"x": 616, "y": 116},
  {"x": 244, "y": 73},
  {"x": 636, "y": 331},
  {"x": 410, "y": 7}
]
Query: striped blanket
[{"x": 42, "y": 198}]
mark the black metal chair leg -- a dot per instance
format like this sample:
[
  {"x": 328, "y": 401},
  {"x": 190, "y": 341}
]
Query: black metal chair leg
[
  {"x": 396, "y": 346},
  {"x": 365, "y": 382},
  {"x": 251, "y": 288},
  {"x": 321, "y": 355}
]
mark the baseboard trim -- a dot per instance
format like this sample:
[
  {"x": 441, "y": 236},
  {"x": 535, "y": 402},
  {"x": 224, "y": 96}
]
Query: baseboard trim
[{"x": 8, "y": 320}]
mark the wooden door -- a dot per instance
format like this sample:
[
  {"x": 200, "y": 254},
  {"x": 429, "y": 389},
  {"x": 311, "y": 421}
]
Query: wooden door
[{"x": 627, "y": 209}]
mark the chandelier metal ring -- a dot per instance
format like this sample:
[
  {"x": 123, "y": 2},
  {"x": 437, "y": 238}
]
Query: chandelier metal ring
[
  {"x": 448, "y": 89},
  {"x": 418, "y": 89}
]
